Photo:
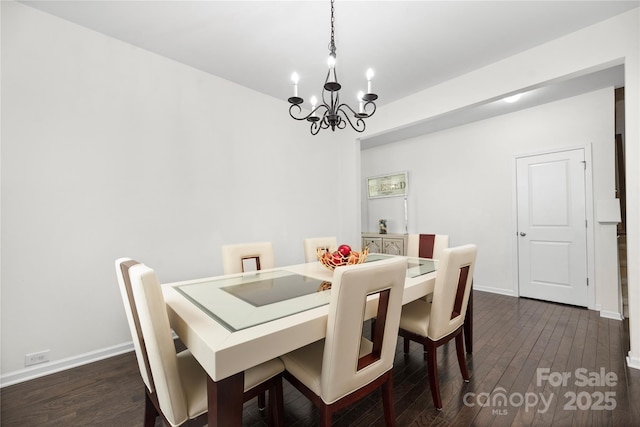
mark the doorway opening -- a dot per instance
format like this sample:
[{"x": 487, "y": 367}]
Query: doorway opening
[{"x": 621, "y": 195}]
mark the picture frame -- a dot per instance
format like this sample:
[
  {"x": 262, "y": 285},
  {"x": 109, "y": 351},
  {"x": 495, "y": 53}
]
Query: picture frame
[{"x": 389, "y": 185}]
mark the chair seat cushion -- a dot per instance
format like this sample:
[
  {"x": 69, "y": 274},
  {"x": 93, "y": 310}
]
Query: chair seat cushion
[
  {"x": 306, "y": 363},
  {"x": 415, "y": 317},
  {"x": 262, "y": 372},
  {"x": 194, "y": 380},
  {"x": 194, "y": 383}
]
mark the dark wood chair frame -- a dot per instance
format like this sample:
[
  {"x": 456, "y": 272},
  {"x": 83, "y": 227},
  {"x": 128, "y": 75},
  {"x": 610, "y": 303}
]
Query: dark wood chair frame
[
  {"x": 152, "y": 406},
  {"x": 384, "y": 382},
  {"x": 431, "y": 346}
]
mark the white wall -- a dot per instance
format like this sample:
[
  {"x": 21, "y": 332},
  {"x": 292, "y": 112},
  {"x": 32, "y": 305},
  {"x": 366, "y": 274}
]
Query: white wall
[
  {"x": 461, "y": 182},
  {"x": 614, "y": 41},
  {"x": 110, "y": 151}
]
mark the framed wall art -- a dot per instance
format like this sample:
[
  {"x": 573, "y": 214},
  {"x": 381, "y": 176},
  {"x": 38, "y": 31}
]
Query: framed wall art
[{"x": 391, "y": 185}]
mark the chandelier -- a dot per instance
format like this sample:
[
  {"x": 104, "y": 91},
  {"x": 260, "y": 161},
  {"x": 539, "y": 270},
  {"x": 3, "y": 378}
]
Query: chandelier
[{"x": 331, "y": 113}]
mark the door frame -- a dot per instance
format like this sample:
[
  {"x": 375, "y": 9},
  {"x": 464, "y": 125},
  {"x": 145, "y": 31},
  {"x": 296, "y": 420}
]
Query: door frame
[{"x": 589, "y": 212}]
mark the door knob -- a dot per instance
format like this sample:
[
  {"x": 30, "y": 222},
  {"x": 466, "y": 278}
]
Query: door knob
[{"x": 522, "y": 233}]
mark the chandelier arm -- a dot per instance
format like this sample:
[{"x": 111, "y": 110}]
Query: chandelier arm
[
  {"x": 326, "y": 79},
  {"x": 366, "y": 105},
  {"x": 359, "y": 126},
  {"x": 315, "y": 127},
  {"x": 325, "y": 122},
  {"x": 299, "y": 111},
  {"x": 324, "y": 100},
  {"x": 318, "y": 108},
  {"x": 341, "y": 106},
  {"x": 308, "y": 115},
  {"x": 364, "y": 109}
]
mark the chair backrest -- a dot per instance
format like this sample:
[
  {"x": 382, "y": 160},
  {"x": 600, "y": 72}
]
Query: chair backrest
[
  {"x": 427, "y": 245},
  {"x": 312, "y": 244},
  {"x": 153, "y": 342},
  {"x": 343, "y": 370},
  {"x": 451, "y": 290},
  {"x": 234, "y": 256},
  {"x": 122, "y": 273}
]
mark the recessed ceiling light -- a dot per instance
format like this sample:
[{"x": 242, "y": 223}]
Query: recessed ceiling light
[{"x": 512, "y": 98}]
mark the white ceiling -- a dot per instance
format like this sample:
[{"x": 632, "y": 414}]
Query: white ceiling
[{"x": 411, "y": 45}]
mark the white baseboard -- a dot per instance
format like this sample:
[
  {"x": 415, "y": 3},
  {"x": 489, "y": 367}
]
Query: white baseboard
[
  {"x": 501, "y": 291},
  {"x": 611, "y": 315},
  {"x": 633, "y": 362},
  {"x": 63, "y": 364}
]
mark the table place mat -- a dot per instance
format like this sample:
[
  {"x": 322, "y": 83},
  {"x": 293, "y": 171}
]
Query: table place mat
[{"x": 270, "y": 291}]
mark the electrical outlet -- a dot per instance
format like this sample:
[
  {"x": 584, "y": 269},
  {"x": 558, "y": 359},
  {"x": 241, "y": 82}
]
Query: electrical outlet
[{"x": 35, "y": 358}]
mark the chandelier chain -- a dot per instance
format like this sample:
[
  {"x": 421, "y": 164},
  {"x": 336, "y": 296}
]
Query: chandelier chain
[{"x": 332, "y": 44}]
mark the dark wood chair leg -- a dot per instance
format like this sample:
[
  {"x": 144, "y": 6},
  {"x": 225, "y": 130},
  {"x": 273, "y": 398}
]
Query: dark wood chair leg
[
  {"x": 462, "y": 361},
  {"x": 387, "y": 402},
  {"x": 432, "y": 368},
  {"x": 261, "y": 402},
  {"x": 150, "y": 412},
  {"x": 468, "y": 323},
  {"x": 406, "y": 345},
  {"x": 276, "y": 404},
  {"x": 325, "y": 416}
]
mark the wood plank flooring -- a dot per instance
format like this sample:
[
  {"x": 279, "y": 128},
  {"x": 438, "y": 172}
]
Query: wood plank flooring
[{"x": 513, "y": 339}]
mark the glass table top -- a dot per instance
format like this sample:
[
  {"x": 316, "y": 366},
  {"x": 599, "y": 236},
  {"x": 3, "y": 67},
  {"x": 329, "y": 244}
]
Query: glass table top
[
  {"x": 240, "y": 302},
  {"x": 415, "y": 266}
]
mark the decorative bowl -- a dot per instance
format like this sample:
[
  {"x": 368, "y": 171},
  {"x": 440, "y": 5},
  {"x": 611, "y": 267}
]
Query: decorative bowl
[
  {"x": 333, "y": 259},
  {"x": 324, "y": 286}
]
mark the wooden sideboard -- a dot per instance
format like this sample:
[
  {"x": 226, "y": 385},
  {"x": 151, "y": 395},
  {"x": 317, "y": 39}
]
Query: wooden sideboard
[{"x": 393, "y": 244}]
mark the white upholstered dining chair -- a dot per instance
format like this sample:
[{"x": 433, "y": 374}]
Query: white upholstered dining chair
[
  {"x": 234, "y": 257},
  {"x": 434, "y": 323},
  {"x": 427, "y": 245},
  {"x": 312, "y": 244},
  {"x": 345, "y": 367},
  {"x": 175, "y": 384}
]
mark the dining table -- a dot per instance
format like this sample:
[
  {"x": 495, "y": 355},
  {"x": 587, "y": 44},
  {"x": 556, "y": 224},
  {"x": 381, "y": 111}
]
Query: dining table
[{"x": 231, "y": 323}]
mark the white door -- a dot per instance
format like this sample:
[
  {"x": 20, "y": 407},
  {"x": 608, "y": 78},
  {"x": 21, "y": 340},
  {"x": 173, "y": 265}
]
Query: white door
[{"x": 552, "y": 228}]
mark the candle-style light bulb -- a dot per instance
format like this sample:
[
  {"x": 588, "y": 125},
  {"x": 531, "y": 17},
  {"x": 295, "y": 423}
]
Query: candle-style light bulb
[
  {"x": 313, "y": 101},
  {"x": 360, "y": 96},
  {"x": 331, "y": 62},
  {"x": 295, "y": 78},
  {"x": 369, "y": 77}
]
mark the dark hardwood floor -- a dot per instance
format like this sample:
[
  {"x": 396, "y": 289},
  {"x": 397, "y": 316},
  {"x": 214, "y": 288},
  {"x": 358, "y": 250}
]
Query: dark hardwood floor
[{"x": 516, "y": 340}]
